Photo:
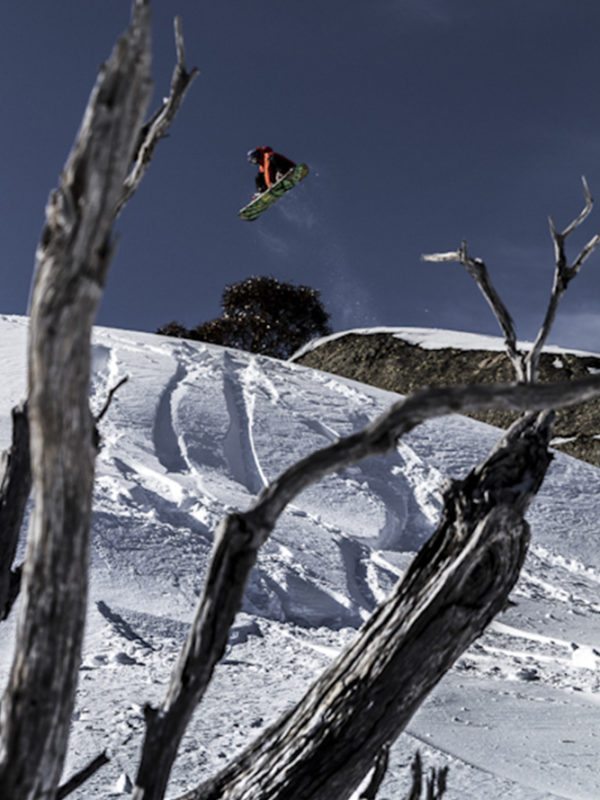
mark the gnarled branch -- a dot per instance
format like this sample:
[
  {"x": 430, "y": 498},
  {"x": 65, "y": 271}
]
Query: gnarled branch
[
  {"x": 563, "y": 275},
  {"x": 478, "y": 271},
  {"x": 156, "y": 128},
  {"x": 12, "y": 507},
  {"x": 526, "y": 364},
  {"x": 72, "y": 262},
  {"x": 457, "y": 583},
  {"x": 241, "y": 535}
]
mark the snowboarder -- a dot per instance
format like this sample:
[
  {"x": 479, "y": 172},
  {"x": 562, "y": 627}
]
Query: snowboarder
[
  {"x": 271, "y": 167},
  {"x": 276, "y": 176}
]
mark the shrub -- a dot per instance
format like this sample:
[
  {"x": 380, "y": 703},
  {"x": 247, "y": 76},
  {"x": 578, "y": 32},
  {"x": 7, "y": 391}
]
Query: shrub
[{"x": 262, "y": 315}]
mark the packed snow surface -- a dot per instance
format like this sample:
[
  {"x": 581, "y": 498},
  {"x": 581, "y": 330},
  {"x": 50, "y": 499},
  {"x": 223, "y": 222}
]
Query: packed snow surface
[{"x": 196, "y": 432}]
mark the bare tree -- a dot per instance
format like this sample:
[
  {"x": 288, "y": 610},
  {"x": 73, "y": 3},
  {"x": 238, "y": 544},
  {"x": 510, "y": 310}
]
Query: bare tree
[
  {"x": 342, "y": 728},
  {"x": 15, "y": 480},
  {"x": 72, "y": 263},
  {"x": 526, "y": 363}
]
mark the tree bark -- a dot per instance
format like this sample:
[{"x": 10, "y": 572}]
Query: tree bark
[
  {"x": 241, "y": 535},
  {"x": 157, "y": 126},
  {"x": 456, "y": 585},
  {"x": 72, "y": 262},
  {"x": 15, "y": 485},
  {"x": 16, "y": 481},
  {"x": 378, "y": 773}
]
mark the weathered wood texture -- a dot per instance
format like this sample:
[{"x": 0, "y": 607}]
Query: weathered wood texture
[
  {"x": 15, "y": 486},
  {"x": 158, "y": 125},
  {"x": 456, "y": 585},
  {"x": 378, "y": 773},
  {"x": 241, "y": 535},
  {"x": 72, "y": 262},
  {"x": 16, "y": 483}
]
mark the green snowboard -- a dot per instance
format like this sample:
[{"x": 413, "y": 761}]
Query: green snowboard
[{"x": 255, "y": 208}]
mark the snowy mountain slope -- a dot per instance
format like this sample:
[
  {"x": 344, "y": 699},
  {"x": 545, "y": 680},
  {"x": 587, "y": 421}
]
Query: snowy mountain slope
[
  {"x": 196, "y": 431},
  {"x": 406, "y": 359}
]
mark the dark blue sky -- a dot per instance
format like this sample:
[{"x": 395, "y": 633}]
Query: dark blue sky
[{"x": 423, "y": 122}]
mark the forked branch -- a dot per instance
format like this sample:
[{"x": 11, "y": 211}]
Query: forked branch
[
  {"x": 157, "y": 126},
  {"x": 563, "y": 275},
  {"x": 17, "y": 472},
  {"x": 478, "y": 271},
  {"x": 526, "y": 365}
]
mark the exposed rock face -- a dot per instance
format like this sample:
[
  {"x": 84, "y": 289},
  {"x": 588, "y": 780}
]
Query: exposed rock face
[{"x": 389, "y": 362}]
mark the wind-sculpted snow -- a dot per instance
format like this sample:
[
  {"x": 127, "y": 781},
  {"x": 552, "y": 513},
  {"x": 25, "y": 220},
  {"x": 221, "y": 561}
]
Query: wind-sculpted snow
[{"x": 196, "y": 432}]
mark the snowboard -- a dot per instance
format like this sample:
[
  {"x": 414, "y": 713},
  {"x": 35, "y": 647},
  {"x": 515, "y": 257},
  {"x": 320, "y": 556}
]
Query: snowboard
[{"x": 259, "y": 204}]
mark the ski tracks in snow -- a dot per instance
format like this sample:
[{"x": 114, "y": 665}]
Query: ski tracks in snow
[{"x": 240, "y": 383}]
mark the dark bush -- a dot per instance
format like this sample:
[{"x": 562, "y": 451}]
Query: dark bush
[
  {"x": 174, "y": 329},
  {"x": 262, "y": 315}
]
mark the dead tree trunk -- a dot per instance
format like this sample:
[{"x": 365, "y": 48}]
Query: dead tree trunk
[
  {"x": 456, "y": 585},
  {"x": 72, "y": 262},
  {"x": 15, "y": 485},
  {"x": 108, "y": 161}
]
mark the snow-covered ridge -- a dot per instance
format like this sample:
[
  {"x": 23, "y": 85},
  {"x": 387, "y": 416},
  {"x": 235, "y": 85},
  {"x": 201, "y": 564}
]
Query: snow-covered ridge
[
  {"x": 197, "y": 431},
  {"x": 436, "y": 339}
]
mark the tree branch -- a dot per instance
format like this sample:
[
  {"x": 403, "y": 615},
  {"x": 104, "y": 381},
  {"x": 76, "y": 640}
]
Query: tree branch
[
  {"x": 156, "y": 128},
  {"x": 478, "y": 271},
  {"x": 242, "y": 534},
  {"x": 380, "y": 767},
  {"x": 109, "y": 398},
  {"x": 72, "y": 262},
  {"x": 526, "y": 365},
  {"x": 457, "y": 583},
  {"x": 149, "y": 135},
  {"x": 563, "y": 275},
  {"x": 15, "y": 485},
  {"x": 77, "y": 780}
]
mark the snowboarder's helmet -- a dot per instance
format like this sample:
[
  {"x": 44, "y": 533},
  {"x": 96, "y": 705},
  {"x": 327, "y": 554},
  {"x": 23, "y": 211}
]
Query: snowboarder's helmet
[{"x": 255, "y": 156}]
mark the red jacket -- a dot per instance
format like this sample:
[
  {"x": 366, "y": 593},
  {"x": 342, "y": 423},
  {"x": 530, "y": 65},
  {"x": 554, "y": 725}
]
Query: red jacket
[{"x": 270, "y": 163}]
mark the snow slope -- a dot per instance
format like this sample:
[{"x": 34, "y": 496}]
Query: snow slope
[{"x": 197, "y": 431}]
